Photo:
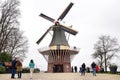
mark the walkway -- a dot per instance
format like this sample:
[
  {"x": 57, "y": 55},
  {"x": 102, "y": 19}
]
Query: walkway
[{"x": 62, "y": 76}]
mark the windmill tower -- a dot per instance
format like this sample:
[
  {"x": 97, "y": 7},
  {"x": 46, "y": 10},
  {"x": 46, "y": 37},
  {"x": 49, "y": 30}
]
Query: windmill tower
[{"x": 59, "y": 54}]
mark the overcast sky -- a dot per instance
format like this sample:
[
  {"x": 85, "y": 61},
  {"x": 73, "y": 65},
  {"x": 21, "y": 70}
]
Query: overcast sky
[{"x": 91, "y": 18}]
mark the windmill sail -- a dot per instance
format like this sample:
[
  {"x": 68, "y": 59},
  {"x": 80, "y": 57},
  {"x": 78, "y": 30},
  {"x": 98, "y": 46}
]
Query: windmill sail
[
  {"x": 46, "y": 17},
  {"x": 65, "y": 11},
  {"x": 69, "y": 30},
  {"x": 43, "y": 35}
]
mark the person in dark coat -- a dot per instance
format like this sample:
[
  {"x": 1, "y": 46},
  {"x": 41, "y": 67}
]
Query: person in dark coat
[
  {"x": 13, "y": 68},
  {"x": 75, "y": 68},
  {"x": 83, "y": 69},
  {"x": 72, "y": 69},
  {"x": 93, "y": 65}
]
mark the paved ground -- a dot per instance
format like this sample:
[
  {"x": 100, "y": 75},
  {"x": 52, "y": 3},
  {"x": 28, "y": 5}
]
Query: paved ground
[{"x": 62, "y": 76}]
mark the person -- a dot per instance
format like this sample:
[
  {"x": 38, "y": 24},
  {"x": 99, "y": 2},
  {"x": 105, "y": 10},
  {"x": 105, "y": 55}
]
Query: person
[
  {"x": 13, "y": 68},
  {"x": 19, "y": 68},
  {"x": 93, "y": 65},
  {"x": 80, "y": 69},
  {"x": 83, "y": 69},
  {"x": 75, "y": 68},
  {"x": 101, "y": 70},
  {"x": 54, "y": 68},
  {"x": 31, "y": 65},
  {"x": 72, "y": 69},
  {"x": 97, "y": 68}
]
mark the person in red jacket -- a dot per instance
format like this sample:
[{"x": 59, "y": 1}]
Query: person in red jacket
[{"x": 97, "y": 68}]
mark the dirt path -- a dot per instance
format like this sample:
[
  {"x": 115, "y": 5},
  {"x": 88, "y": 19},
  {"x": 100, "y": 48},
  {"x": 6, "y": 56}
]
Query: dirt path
[{"x": 62, "y": 76}]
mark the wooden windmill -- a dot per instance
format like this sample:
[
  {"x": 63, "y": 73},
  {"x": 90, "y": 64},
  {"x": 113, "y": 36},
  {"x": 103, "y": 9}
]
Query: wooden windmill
[{"x": 59, "y": 54}]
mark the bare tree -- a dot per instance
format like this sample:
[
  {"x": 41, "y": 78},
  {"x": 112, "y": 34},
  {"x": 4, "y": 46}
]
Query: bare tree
[
  {"x": 11, "y": 38},
  {"x": 105, "y": 49},
  {"x": 17, "y": 44},
  {"x": 99, "y": 56},
  {"x": 8, "y": 19}
]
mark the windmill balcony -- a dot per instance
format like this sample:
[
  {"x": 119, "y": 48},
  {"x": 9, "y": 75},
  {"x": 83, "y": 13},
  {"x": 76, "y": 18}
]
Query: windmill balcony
[
  {"x": 54, "y": 47},
  {"x": 46, "y": 51}
]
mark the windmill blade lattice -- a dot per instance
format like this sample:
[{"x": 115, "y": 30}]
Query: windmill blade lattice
[
  {"x": 43, "y": 35},
  {"x": 56, "y": 23},
  {"x": 46, "y": 17},
  {"x": 69, "y": 30},
  {"x": 65, "y": 11}
]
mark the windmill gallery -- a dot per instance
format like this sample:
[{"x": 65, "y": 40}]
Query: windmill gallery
[{"x": 59, "y": 54}]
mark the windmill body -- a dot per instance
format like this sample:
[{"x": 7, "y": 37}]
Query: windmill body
[{"x": 59, "y": 54}]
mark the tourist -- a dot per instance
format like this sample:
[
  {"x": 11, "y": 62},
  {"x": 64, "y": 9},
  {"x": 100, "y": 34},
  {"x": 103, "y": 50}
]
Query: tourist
[
  {"x": 72, "y": 69},
  {"x": 13, "y": 68},
  {"x": 75, "y": 68},
  {"x": 80, "y": 69},
  {"x": 54, "y": 69},
  {"x": 83, "y": 69},
  {"x": 93, "y": 65},
  {"x": 19, "y": 68},
  {"x": 97, "y": 68},
  {"x": 31, "y": 65}
]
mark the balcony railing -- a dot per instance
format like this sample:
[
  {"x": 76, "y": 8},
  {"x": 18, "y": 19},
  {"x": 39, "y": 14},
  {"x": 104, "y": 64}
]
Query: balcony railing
[{"x": 48, "y": 48}]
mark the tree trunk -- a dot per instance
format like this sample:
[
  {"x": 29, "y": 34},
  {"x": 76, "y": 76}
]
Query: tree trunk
[{"x": 105, "y": 63}]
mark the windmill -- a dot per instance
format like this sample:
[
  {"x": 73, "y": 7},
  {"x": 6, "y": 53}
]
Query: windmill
[{"x": 59, "y": 53}]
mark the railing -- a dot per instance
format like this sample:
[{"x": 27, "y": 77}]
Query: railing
[
  {"x": 74, "y": 48},
  {"x": 48, "y": 48}
]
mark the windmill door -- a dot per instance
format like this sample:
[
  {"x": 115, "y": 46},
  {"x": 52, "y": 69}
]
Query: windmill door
[{"x": 58, "y": 68}]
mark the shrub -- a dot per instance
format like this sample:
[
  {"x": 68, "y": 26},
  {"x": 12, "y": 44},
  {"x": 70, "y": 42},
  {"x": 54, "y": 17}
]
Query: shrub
[
  {"x": 2, "y": 69},
  {"x": 113, "y": 68},
  {"x": 37, "y": 70},
  {"x": 26, "y": 70},
  {"x": 5, "y": 57}
]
